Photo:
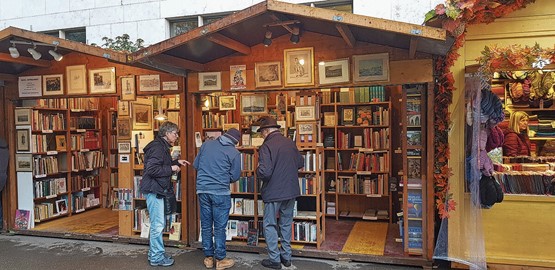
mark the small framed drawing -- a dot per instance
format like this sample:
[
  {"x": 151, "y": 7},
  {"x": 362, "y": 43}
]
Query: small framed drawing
[
  {"x": 76, "y": 79},
  {"x": 229, "y": 126},
  {"x": 304, "y": 113},
  {"x": 336, "y": 71},
  {"x": 227, "y": 103},
  {"x": 305, "y": 128},
  {"x": 22, "y": 116},
  {"x": 61, "y": 206},
  {"x": 371, "y": 67},
  {"x": 128, "y": 88},
  {"x": 299, "y": 66},
  {"x": 209, "y": 81},
  {"x": 124, "y": 128},
  {"x": 253, "y": 104},
  {"x": 52, "y": 85},
  {"x": 23, "y": 139},
  {"x": 267, "y": 74},
  {"x": 329, "y": 119},
  {"x": 102, "y": 81},
  {"x": 238, "y": 77},
  {"x": 149, "y": 83},
  {"x": 123, "y": 108},
  {"x": 142, "y": 116},
  {"x": 348, "y": 116},
  {"x": 24, "y": 163},
  {"x": 124, "y": 147}
]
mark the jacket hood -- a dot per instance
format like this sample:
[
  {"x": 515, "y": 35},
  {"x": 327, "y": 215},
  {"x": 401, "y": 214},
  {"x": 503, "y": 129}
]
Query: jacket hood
[{"x": 226, "y": 141}]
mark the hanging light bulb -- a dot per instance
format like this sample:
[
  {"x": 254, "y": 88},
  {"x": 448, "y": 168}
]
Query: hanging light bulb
[
  {"x": 33, "y": 51},
  {"x": 57, "y": 56},
  {"x": 160, "y": 116}
]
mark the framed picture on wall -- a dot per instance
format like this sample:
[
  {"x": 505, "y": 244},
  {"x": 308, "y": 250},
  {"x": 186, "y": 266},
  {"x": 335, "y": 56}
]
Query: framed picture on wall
[
  {"x": 304, "y": 113},
  {"x": 102, "y": 80},
  {"x": 128, "y": 88},
  {"x": 253, "y": 104},
  {"x": 238, "y": 77},
  {"x": 227, "y": 103},
  {"x": 299, "y": 66},
  {"x": 336, "y": 71},
  {"x": 22, "y": 116},
  {"x": 23, "y": 163},
  {"x": 76, "y": 78},
  {"x": 124, "y": 128},
  {"x": 371, "y": 67},
  {"x": 267, "y": 74},
  {"x": 52, "y": 85},
  {"x": 123, "y": 108},
  {"x": 149, "y": 83},
  {"x": 142, "y": 116},
  {"x": 210, "y": 81},
  {"x": 124, "y": 147},
  {"x": 23, "y": 139}
]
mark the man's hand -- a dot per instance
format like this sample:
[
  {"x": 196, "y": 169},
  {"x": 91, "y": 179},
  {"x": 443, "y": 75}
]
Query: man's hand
[
  {"x": 176, "y": 168},
  {"x": 184, "y": 162}
]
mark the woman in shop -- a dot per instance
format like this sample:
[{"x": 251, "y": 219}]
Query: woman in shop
[{"x": 517, "y": 142}]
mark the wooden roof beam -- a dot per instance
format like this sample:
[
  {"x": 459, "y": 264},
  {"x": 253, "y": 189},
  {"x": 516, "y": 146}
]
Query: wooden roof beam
[
  {"x": 6, "y": 57},
  {"x": 8, "y": 77},
  {"x": 347, "y": 35},
  {"x": 179, "y": 62},
  {"x": 229, "y": 43},
  {"x": 412, "y": 47}
]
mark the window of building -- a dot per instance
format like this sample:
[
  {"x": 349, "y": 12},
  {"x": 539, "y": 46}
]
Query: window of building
[
  {"x": 339, "y": 5},
  {"x": 184, "y": 25},
  {"x": 79, "y": 34}
]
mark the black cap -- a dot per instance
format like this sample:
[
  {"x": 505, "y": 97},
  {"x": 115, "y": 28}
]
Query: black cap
[{"x": 266, "y": 122}]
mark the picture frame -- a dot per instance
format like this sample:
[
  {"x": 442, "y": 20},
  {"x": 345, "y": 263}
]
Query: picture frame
[
  {"x": 102, "y": 80},
  {"x": 149, "y": 83},
  {"x": 124, "y": 147},
  {"x": 123, "y": 108},
  {"x": 61, "y": 206},
  {"x": 329, "y": 119},
  {"x": 23, "y": 163},
  {"x": 76, "y": 79},
  {"x": 335, "y": 71},
  {"x": 267, "y": 74},
  {"x": 128, "y": 88},
  {"x": 123, "y": 128},
  {"x": 238, "y": 77},
  {"x": 53, "y": 85},
  {"x": 305, "y": 128},
  {"x": 229, "y": 126},
  {"x": 23, "y": 139},
  {"x": 371, "y": 67},
  {"x": 22, "y": 116},
  {"x": 305, "y": 113},
  {"x": 208, "y": 81},
  {"x": 142, "y": 116},
  {"x": 254, "y": 104},
  {"x": 348, "y": 116},
  {"x": 299, "y": 66},
  {"x": 227, "y": 103},
  {"x": 29, "y": 86}
]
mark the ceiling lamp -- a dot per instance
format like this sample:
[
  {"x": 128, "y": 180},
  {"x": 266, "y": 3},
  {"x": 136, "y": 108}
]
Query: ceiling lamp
[
  {"x": 57, "y": 56},
  {"x": 160, "y": 116},
  {"x": 267, "y": 38},
  {"x": 33, "y": 51},
  {"x": 295, "y": 31},
  {"x": 13, "y": 51}
]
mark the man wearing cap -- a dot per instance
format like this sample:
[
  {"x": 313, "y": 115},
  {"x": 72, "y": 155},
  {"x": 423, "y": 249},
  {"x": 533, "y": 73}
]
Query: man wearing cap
[
  {"x": 218, "y": 164},
  {"x": 278, "y": 163}
]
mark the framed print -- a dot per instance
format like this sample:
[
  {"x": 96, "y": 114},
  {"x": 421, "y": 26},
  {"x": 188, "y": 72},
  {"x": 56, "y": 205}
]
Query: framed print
[
  {"x": 238, "y": 77},
  {"x": 124, "y": 147},
  {"x": 123, "y": 108},
  {"x": 124, "y": 128},
  {"x": 209, "y": 81},
  {"x": 76, "y": 79},
  {"x": 371, "y": 67},
  {"x": 306, "y": 128},
  {"x": 336, "y": 71},
  {"x": 299, "y": 66},
  {"x": 149, "y": 83},
  {"x": 227, "y": 103},
  {"x": 52, "y": 85},
  {"x": 61, "y": 206},
  {"x": 253, "y": 104},
  {"x": 24, "y": 163},
  {"x": 128, "y": 88},
  {"x": 102, "y": 80},
  {"x": 171, "y": 85},
  {"x": 281, "y": 102},
  {"x": 348, "y": 116},
  {"x": 142, "y": 116},
  {"x": 329, "y": 119},
  {"x": 304, "y": 113},
  {"x": 29, "y": 86},
  {"x": 23, "y": 139},
  {"x": 267, "y": 74},
  {"x": 228, "y": 126},
  {"x": 22, "y": 116}
]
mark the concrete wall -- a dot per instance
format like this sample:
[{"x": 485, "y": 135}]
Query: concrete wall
[{"x": 148, "y": 19}]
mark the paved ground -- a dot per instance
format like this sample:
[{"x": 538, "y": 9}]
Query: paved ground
[{"x": 31, "y": 252}]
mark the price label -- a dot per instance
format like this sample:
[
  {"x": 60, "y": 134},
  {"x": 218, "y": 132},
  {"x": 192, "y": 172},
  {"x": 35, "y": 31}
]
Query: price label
[
  {"x": 51, "y": 153},
  {"x": 40, "y": 176},
  {"x": 47, "y": 131},
  {"x": 86, "y": 189},
  {"x": 81, "y": 130},
  {"x": 51, "y": 196}
]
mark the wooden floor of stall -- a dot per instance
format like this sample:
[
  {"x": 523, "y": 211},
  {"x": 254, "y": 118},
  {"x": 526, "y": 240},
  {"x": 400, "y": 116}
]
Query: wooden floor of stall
[{"x": 101, "y": 221}]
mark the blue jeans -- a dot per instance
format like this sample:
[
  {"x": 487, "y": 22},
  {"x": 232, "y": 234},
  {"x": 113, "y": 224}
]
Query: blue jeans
[
  {"x": 285, "y": 209},
  {"x": 214, "y": 213},
  {"x": 155, "y": 208}
]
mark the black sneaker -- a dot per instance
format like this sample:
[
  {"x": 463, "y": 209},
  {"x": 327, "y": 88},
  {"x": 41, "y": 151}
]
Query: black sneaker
[
  {"x": 285, "y": 262},
  {"x": 163, "y": 262},
  {"x": 269, "y": 264}
]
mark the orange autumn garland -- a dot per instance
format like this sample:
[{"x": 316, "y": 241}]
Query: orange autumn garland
[{"x": 455, "y": 15}]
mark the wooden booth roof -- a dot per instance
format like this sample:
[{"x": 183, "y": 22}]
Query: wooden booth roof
[{"x": 238, "y": 32}]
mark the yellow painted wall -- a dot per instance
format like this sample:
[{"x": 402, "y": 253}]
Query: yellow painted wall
[{"x": 519, "y": 230}]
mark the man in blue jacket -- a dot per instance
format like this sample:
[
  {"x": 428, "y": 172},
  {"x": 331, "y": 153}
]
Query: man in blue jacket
[
  {"x": 156, "y": 183},
  {"x": 218, "y": 164},
  {"x": 279, "y": 161}
]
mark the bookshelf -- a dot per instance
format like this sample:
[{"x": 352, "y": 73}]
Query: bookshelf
[{"x": 112, "y": 151}]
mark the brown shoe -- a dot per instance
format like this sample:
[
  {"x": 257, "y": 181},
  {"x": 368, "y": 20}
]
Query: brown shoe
[
  {"x": 224, "y": 264},
  {"x": 209, "y": 262}
]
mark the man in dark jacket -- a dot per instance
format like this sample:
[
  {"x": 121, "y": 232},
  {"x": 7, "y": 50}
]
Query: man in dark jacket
[
  {"x": 4, "y": 157},
  {"x": 155, "y": 184},
  {"x": 279, "y": 161},
  {"x": 218, "y": 164}
]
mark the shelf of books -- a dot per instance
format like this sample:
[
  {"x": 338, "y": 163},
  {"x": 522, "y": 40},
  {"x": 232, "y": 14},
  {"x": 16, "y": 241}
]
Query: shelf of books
[
  {"x": 414, "y": 158},
  {"x": 112, "y": 150},
  {"x": 357, "y": 152}
]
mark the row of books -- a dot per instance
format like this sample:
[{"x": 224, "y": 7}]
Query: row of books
[
  {"x": 365, "y": 116},
  {"x": 122, "y": 199},
  {"x": 216, "y": 120},
  {"x": 84, "y": 122},
  {"x": 414, "y": 203},
  {"x": 310, "y": 161},
  {"x": 361, "y": 94},
  {"x": 308, "y": 185},
  {"x": 377, "y": 162},
  {"x": 87, "y": 160},
  {"x": 247, "y": 161},
  {"x": 90, "y": 103},
  {"x": 50, "y": 187},
  {"x": 372, "y": 138},
  {"x": 80, "y": 182},
  {"x": 45, "y": 165},
  {"x": 244, "y": 184},
  {"x": 363, "y": 184},
  {"x": 82, "y": 202},
  {"x": 48, "y": 121},
  {"x": 304, "y": 231},
  {"x": 243, "y": 206}
]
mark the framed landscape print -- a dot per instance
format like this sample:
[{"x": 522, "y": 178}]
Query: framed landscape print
[
  {"x": 22, "y": 116},
  {"x": 304, "y": 113},
  {"x": 76, "y": 78},
  {"x": 128, "y": 88},
  {"x": 142, "y": 116},
  {"x": 124, "y": 147},
  {"x": 124, "y": 128},
  {"x": 149, "y": 83},
  {"x": 209, "y": 81},
  {"x": 227, "y": 103},
  {"x": 336, "y": 71},
  {"x": 299, "y": 66},
  {"x": 371, "y": 67},
  {"x": 102, "y": 81},
  {"x": 267, "y": 74},
  {"x": 53, "y": 85},
  {"x": 24, "y": 163},
  {"x": 253, "y": 104}
]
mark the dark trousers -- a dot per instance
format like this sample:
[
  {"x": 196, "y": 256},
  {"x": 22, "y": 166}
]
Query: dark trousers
[{"x": 1, "y": 213}]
